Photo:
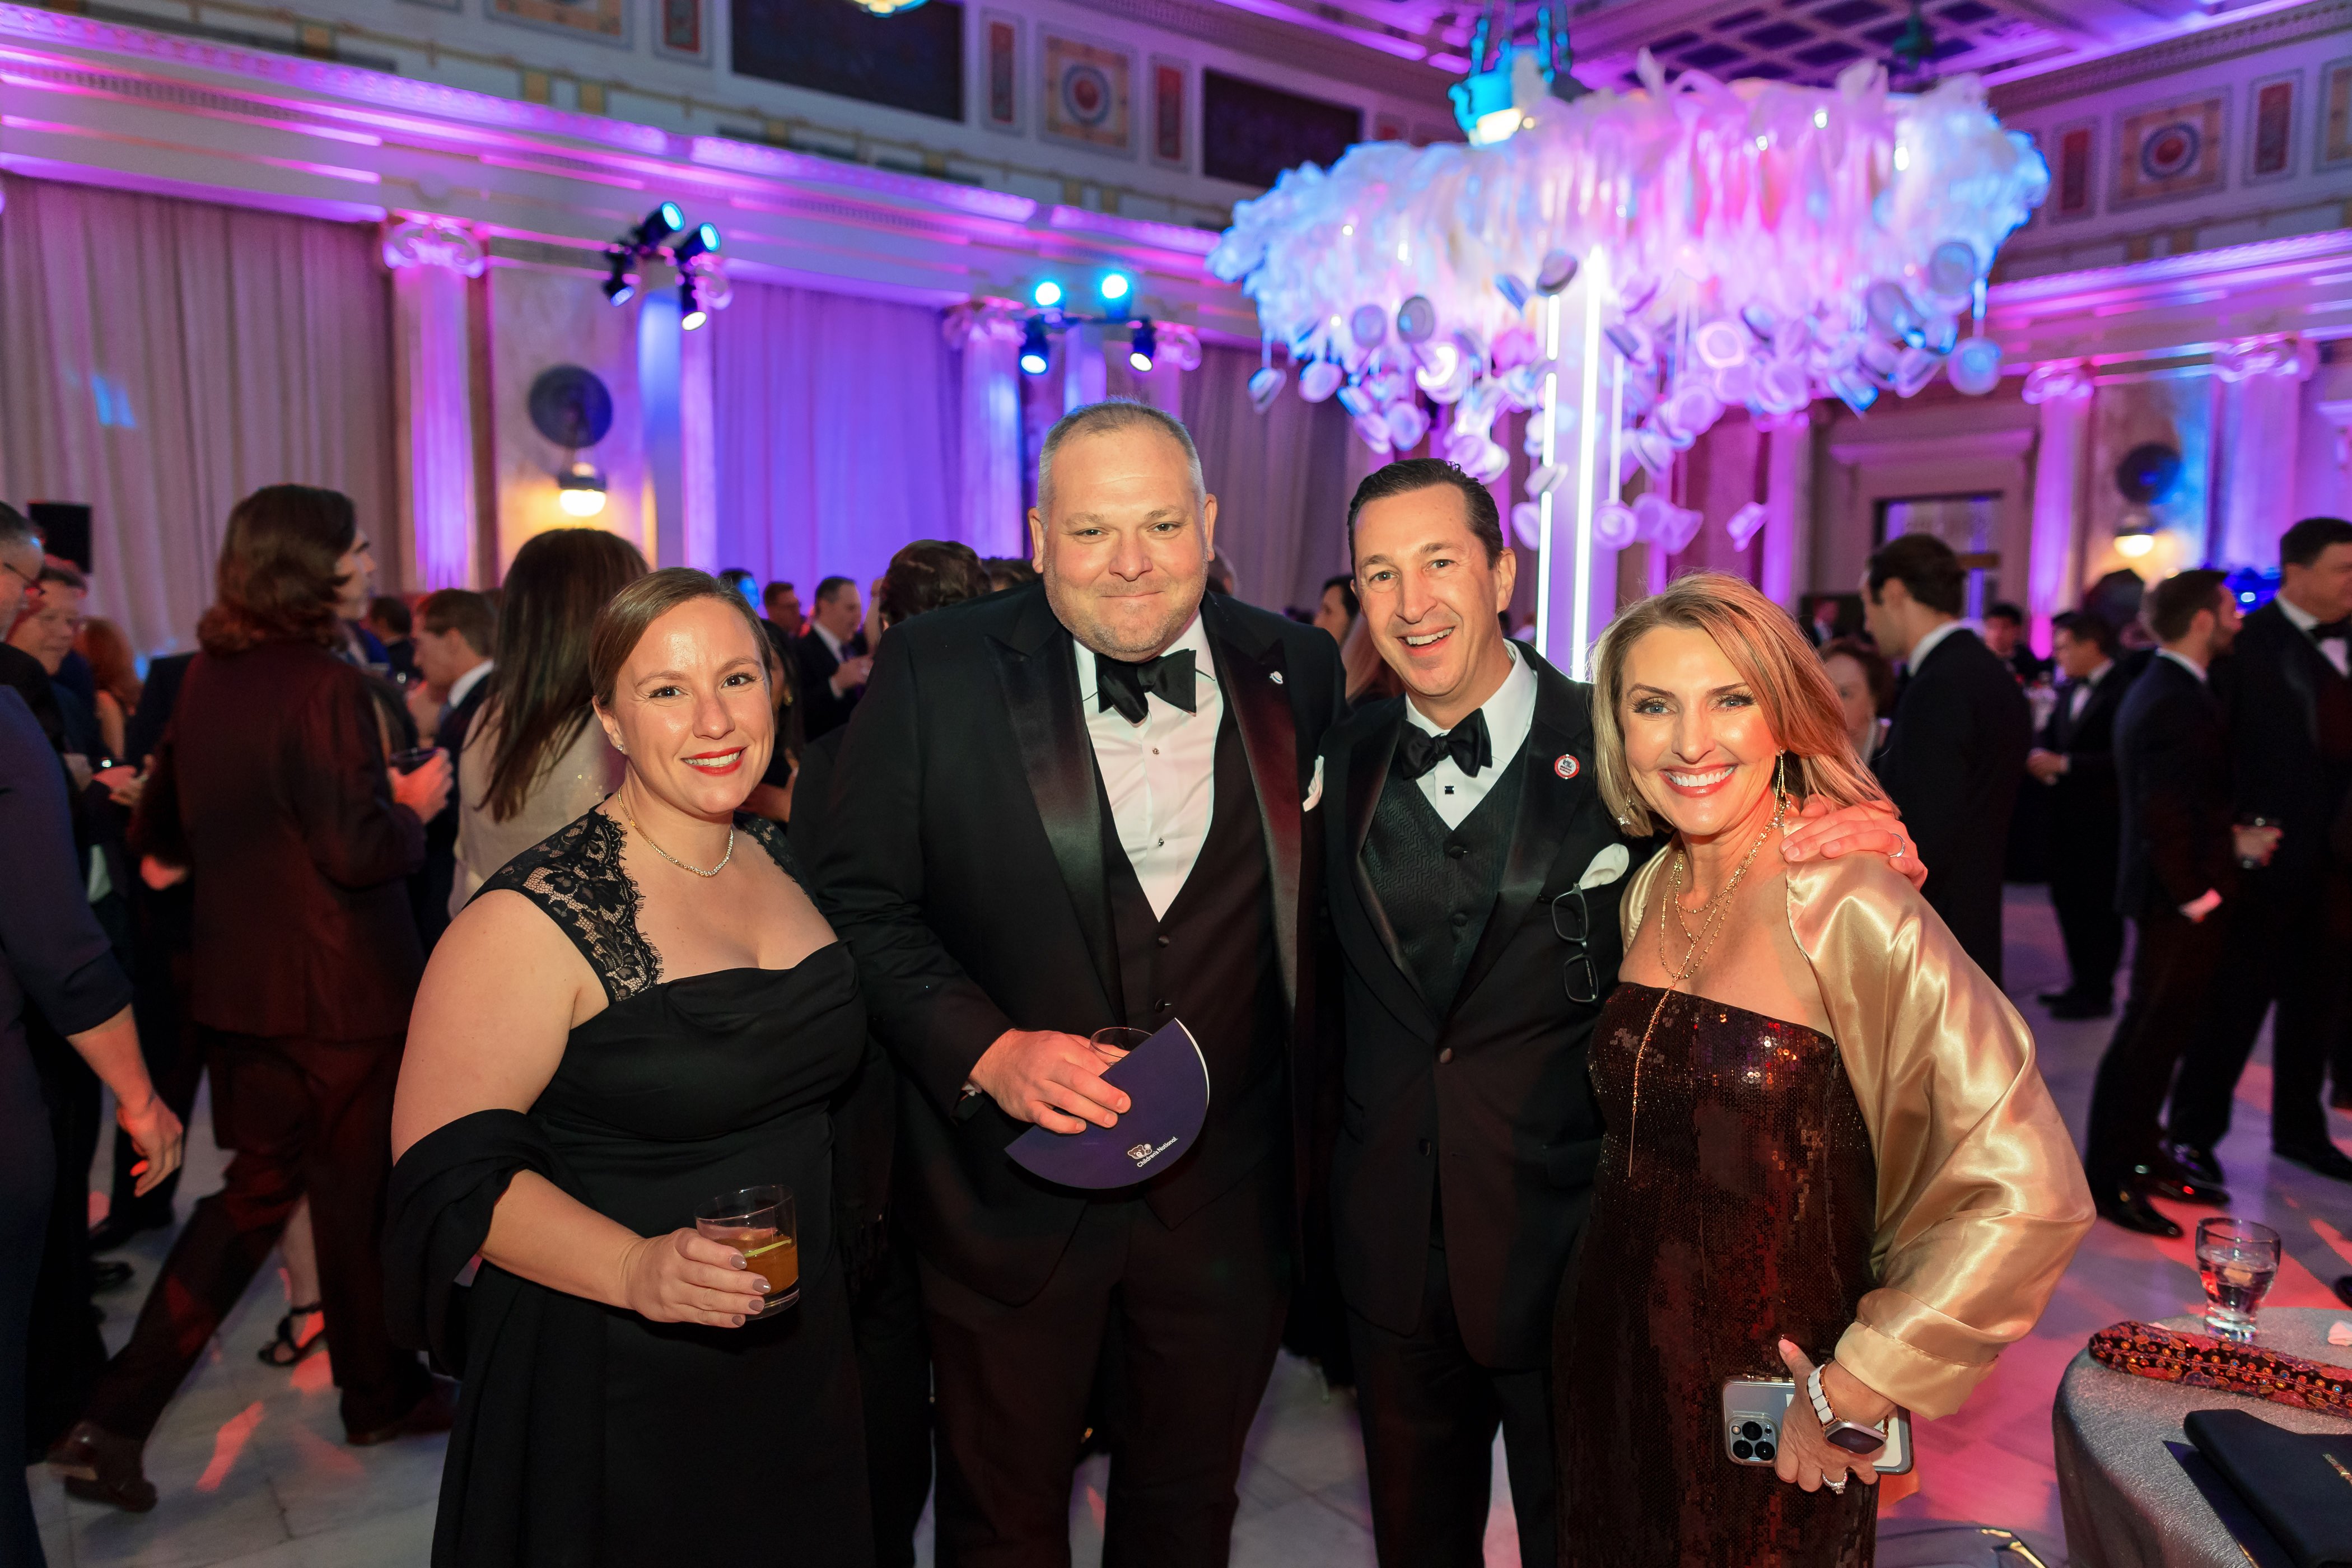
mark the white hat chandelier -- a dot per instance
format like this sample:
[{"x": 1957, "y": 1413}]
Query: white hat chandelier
[{"x": 1745, "y": 243}]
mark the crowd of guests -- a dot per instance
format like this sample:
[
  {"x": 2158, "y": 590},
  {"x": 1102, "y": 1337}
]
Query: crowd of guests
[{"x": 514, "y": 929}]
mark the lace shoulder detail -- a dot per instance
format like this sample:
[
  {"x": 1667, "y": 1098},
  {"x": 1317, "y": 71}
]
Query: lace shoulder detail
[
  {"x": 770, "y": 836},
  {"x": 575, "y": 876}
]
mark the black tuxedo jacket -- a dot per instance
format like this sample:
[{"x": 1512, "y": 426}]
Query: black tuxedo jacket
[
  {"x": 2172, "y": 768},
  {"x": 821, "y": 711},
  {"x": 2291, "y": 735},
  {"x": 1951, "y": 764},
  {"x": 2084, "y": 817},
  {"x": 961, "y": 856},
  {"x": 1495, "y": 1090}
]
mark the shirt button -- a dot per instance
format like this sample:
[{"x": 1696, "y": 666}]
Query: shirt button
[
  {"x": 1446, "y": 1055},
  {"x": 1161, "y": 939},
  {"x": 1460, "y": 921},
  {"x": 1161, "y": 1007},
  {"x": 1457, "y": 850}
]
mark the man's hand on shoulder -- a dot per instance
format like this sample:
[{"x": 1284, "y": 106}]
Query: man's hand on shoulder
[{"x": 1823, "y": 832}]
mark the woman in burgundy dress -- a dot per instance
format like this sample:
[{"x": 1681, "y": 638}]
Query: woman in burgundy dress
[{"x": 1827, "y": 1137}]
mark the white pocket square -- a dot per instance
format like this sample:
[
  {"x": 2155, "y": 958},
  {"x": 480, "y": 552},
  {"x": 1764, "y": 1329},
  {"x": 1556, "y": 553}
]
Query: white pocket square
[
  {"x": 1313, "y": 788},
  {"x": 1607, "y": 867}
]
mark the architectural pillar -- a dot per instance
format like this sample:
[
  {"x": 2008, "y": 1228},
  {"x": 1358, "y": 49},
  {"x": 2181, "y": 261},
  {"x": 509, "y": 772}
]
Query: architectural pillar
[
  {"x": 2260, "y": 413},
  {"x": 1788, "y": 552},
  {"x": 2327, "y": 472},
  {"x": 2061, "y": 389},
  {"x": 698, "y": 448},
  {"x": 990, "y": 336},
  {"x": 1083, "y": 380},
  {"x": 432, "y": 261},
  {"x": 660, "y": 387}
]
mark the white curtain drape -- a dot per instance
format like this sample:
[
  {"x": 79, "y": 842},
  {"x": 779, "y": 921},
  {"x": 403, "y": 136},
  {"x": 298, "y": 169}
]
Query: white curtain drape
[
  {"x": 165, "y": 358},
  {"x": 1282, "y": 480},
  {"x": 839, "y": 433}
]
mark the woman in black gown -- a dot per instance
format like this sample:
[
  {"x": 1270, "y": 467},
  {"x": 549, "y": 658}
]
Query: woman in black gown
[{"x": 640, "y": 1014}]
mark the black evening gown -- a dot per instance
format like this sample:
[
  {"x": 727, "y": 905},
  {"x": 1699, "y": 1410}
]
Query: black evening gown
[
  {"x": 586, "y": 1434},
  {"x": 1734, "y": 1204}
]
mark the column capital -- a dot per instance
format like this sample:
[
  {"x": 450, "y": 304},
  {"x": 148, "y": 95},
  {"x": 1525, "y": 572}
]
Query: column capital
[
  {"x": 981, "y": 319},
  {"x": 2058, "y": 381},
  {"x": 428, "y": 241},
  {"x": 2287, "y": 355}
]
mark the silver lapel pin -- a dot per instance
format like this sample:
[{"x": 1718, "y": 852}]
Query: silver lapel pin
[{"x": 1277, "y": 678}]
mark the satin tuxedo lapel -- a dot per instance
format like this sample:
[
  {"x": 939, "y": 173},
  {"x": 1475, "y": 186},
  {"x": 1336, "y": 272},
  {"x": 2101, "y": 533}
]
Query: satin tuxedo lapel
[
  {"x": 1251, "y": 675},
  {"x": 1368, "y": 774},
  {"x": 1035, "y": 668},
  {"x": 1550, "y": 808}
]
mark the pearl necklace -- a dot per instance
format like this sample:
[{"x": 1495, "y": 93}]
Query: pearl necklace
[{"x": 674, "y": 859}]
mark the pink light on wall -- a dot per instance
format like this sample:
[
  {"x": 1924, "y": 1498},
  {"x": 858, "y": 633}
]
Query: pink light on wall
[{"x": 431, "y": 260}]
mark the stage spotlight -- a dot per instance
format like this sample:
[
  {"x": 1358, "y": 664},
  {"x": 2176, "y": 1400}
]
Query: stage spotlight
[
  {"x": 618, "y": 290},
  {"x": 1142, "y": 346},
  {"x": 690, "y": 314},
  {"x": 659, "y": 225},
  {"x": 579, "y": 490},
  {"x": 1035, "y": 352},
  {"x": 705, "y": 237},
  {"x": 1116, "y": 286},
  {"x": 1046, "y": 295}
]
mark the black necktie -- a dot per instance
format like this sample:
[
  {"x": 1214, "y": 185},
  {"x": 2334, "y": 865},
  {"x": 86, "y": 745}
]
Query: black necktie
[
  {"x": 1126, "y": 687},
  {"x": 1418, "y": 750}
]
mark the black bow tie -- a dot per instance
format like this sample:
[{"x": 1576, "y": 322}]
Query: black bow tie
[
  {"x": 1126, "y": 687},
  {"x": 2340, "y": 630},
  {"x": 1418, "y": 750}
]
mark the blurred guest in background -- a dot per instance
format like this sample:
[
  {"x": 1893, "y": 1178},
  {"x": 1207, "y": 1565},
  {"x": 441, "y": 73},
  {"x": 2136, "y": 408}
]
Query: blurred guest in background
[
  {"x": 272, "y": 792},
  {"x": 456, "y": 633},
  {"x": 834, "y": 659},
  {"x": 779, "y": 606},
  {"x": 53, "y": 959},
  {"x": 388, "y": 621},
  {"x": 2289, "y": 707},
  {"x": 1337, "y": 611},
  {"x": 2178, "y": 881},
  {"x": 20, "y": 588},
  {"x": 533, "y": 761},
  {"x": 1864, "y": 683},
  {"x": 2004, "y": 634},
  {"x": 116, "y": 670},
  {"x": 1008, "y": 572},
  {"x": 738, "y": 581},
  {"x": 45, "y": 630},
  {"x": 2075, "y": 757},
  {"x": 1221, "y": 577},
  {"x": 1957, "y": 747}
]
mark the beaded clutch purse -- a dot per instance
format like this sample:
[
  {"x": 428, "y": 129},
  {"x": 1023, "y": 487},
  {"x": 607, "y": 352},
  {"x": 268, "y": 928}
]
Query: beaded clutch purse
[{"x": 2201, "y": 1361}]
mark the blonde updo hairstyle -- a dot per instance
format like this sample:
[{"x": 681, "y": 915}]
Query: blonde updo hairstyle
[{"x": 1779, "y": 666}]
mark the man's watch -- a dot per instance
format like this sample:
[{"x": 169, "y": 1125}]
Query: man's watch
[{"x": 1853, "y": 1436}]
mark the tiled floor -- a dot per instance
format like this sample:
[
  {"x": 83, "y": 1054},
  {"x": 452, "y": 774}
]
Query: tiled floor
[{"x": 254, "y": 1474}]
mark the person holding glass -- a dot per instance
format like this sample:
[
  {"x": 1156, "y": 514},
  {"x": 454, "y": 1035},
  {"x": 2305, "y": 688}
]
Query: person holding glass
[
  {"x": 1830, "y": 1158},
  {"x": 633, "y": 1022}
]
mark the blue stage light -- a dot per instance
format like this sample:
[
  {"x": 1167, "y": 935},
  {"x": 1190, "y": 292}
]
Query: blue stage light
[
  {"x": 1116, "y": 286},
  {"x": 1046, "y": 295},
  {"x": 1036, "y": 353}
]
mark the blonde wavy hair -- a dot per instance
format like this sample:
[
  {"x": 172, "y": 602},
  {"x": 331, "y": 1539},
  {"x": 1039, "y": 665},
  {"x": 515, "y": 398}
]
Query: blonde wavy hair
[{"x": 1774, "y": 660}]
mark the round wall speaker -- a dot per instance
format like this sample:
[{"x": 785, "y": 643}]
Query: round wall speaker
[
  {"x": 2148, "y": 473},
  {"x": 571, "y": 407}
]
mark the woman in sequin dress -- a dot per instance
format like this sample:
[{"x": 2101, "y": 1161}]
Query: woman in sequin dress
[{"x": 1827, "y": 1137}]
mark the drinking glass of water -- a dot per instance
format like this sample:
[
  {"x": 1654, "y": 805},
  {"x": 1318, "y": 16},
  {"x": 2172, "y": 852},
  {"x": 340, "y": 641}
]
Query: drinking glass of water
[{"x": 2237, "y": 1259}]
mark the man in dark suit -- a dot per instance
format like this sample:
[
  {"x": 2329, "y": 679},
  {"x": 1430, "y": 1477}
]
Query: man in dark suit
[
  {"x": 779, "y": 607},
  {"x": 2004, "y": 635},
  {"x": 2290, "y": 706},
  {"x": 20, "y": 582},
  {"x": 2076, "y": 761},
  {"x": 1474, "y": 875},
  {"x": 1078, "y": 804},
  {"x": 1955, "y": 751},
  {"x": 2178, "y": 883},
  {"x": 457, "y": 634},
  {"x": 834, "y": 663}
]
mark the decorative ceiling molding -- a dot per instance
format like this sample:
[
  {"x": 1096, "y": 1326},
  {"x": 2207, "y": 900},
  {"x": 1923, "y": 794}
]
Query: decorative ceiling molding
[
  {"x": 2223, "y": 41},
  {"x": 1286, "y": 43}
]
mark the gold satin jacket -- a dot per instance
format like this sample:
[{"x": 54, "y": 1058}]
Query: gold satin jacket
[{"x": 1981, "y": 1198}]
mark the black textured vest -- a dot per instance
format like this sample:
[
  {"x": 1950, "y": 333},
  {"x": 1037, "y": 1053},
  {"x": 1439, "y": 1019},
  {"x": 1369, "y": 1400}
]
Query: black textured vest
[
  {"x": 1437, "y": 884},
  {"x": 1212, "y": 961}
]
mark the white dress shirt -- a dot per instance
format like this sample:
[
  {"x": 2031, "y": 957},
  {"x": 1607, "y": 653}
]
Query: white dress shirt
[
  {"x": 461, "y": 687},
  {"x": 2081, "y": 697},
  {"x": 2333, "y": 650},
  {"x": 1160, "y": 774},
  {"x": 1511, "y": 713}
]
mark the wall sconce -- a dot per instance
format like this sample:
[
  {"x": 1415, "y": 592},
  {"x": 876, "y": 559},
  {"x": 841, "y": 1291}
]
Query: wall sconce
[{"x": 579, "y": 488}]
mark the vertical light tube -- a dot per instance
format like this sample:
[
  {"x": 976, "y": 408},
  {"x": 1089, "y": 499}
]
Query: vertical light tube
[
  {"x": 1587, "y": 433},
  {"x": 1543, "y": 502}
]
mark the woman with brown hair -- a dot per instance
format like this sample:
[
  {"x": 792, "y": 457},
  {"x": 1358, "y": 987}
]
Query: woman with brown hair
[
  {"x": 102, "y": 642},
  {"x": 641, "y": 1014},
  {"x": 533, "y": 761},
  {"x": 1827, "y": 1137},
  {"x": 1864, "y": 684},
  {"x": 271, "y": 794}
]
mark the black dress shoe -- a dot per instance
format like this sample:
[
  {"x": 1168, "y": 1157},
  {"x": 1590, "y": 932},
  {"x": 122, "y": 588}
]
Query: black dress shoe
[
  {"x": 2326, "y": 1159},
  {"x": 2197, "y": 1164},
  {"x": 2127, "y": 1206},
  {"x": 114, "y": 1232},
  {"x": 436, "y": 1412},
  {"x": 2164, "y": 1180},
  {"x": 2344, "y": 1290},
  {"x": 101, "y": 1467}
]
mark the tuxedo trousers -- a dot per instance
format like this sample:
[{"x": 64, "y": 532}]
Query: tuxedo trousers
[
  {"x": 1430, "y": 1412},
  {"x": 2083, "y": 898},
  {"x": 2174, "y": 966},
  {"x": 303, "y": 1117},
  {"x": 1197, "y": 1311}
]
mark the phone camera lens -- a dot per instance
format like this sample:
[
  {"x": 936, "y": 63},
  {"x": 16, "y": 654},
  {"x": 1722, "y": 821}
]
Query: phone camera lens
[
  {"x": 1764, "y": 1452},
  {"x": 1742, "y": 1451},
  {"x": 1751, "y": 1430}
]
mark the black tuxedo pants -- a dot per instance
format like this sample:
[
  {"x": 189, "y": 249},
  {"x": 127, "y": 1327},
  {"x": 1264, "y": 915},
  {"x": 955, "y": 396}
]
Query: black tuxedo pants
[
  {"x": 2173, "y": 972},
  {"x": 304, "y": 1117},
  {"x": 1198, "y": 1312},
  {"x": 2083, "y": 898},
  {"x": 2286, "y": 947},
  {"x": 1430, "y": 1414}
]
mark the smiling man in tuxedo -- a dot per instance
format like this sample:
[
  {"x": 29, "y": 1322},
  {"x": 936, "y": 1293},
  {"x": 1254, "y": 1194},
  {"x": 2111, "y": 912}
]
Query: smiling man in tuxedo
[
  {"x": 1473, "y": 887},
  {"x": 1074, "y": 804}
]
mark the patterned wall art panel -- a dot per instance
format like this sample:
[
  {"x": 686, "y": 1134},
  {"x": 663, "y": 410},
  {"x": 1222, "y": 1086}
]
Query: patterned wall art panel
[
  {"x": 1171, "y": 112},
  {"x": 437, "y": 5},
  {"x": 1251, "y": 133},
  {"x": 2171, "y": 150},
  {"x": 606, "y": 21},
  {"x": 2072, "y": 155},
  {"x": 681, "y": 30},
  {"x": 999, "y": 71},
  {"x": 913, "y": 60},
  {"x": 1088, "y": 98},
  {"x": 2336, "y": 114},
  {"x": 2271, "y": 105}
]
